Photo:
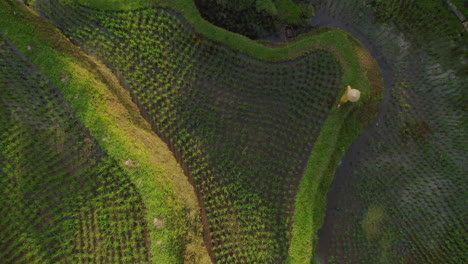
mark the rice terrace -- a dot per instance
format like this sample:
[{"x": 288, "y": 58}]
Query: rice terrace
[{"x": 241, "y": 131}]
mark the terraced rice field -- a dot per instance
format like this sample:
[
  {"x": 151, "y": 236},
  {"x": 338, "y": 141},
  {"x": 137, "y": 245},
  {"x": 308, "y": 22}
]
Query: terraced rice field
[
  {"x": 257, "y": 138},
  {"x": 244, "y": 138},
  {"x": 63, "y": 199}
]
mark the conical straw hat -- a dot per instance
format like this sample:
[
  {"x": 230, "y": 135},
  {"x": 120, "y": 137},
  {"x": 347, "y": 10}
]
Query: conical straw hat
[{"x": 353, "y": 95}]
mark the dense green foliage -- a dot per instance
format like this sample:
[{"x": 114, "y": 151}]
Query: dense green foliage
[{"x": 62, "y": 199}]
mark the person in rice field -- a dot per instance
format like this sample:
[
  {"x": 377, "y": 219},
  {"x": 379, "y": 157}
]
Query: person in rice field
[{"x": 351, "y": 95}]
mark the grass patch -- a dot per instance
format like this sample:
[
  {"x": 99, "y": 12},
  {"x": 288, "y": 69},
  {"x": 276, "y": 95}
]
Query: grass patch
[{"x": 372, "y": 222}]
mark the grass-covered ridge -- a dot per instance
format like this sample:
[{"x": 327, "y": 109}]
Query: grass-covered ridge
[
  {"x": 188, "y": 10},
  {"x": 117, "y": 4},
  {"x": 338, "y": 133}
]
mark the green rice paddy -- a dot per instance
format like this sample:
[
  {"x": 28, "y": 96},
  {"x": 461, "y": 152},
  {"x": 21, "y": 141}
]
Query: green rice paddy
[{"x": 90, "y": 88}]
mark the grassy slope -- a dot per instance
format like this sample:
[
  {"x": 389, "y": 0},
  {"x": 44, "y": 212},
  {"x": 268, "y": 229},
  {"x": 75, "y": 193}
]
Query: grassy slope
[
  {"x": 106, "y": 110},
  {"x": 339, "y": 130}
]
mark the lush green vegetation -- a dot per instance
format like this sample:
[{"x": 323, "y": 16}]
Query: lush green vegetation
[
  {"x": 117, "y": 4},
  {"x": 62, "y": 199},
  {"x": 252, "y": 124},
  {"x": 225, "y": 146},
  {"x": 109, "y": 115}
]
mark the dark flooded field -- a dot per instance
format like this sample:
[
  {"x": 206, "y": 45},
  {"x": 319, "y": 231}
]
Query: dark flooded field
[{"x": 399, "y": 193}]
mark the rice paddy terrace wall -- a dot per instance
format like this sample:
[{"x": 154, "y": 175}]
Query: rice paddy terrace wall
[
  {"x": 243, "y": 138},
  {"x": 400, "y": 193},
  {"x": 62, "y": 199}
]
